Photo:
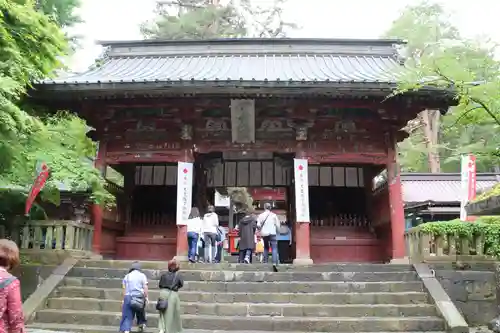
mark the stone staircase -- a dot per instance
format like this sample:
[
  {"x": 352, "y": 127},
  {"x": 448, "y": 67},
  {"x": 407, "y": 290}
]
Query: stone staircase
[{"x": 250, "y": 298}]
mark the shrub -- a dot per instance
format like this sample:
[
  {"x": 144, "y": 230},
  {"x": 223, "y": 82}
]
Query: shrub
[{"x": 489, "y": 226}]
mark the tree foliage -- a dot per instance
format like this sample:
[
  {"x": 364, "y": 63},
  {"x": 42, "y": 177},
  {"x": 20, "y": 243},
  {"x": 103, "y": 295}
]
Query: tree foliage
[
  {"x": 442, "y": 58},
  {"x": 32, "y": 45},
  {"x": 201, "y": 19},
  {"x": 61, "y": 12}
]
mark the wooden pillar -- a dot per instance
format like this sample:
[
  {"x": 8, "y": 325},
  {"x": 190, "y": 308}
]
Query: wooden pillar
[
  {"x": 97, "y": 211},
  {"x": 182, "y": 243},
  {"x": 396, "y": 204},
  {"x": 302, "y": 228}
]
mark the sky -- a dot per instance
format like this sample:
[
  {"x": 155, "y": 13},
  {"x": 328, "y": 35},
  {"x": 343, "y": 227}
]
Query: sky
[{"x": 120, "y": 20}]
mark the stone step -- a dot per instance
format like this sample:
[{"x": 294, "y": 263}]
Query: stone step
[
  {"x": 262, "y": 286},
  {"x": 38, "y": 327},
  {"x": 232, "y": 323},
  {"x": 258, "y": 310},
  {"x": 161, "y": 265},
  {"x": 258, "y": 297},
  {"x": 247, "y": 276}
]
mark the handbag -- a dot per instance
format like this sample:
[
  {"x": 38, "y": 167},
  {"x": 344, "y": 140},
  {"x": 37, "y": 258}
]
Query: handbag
[
  {"x": 137, "y": 302},
  {"x": 162, "y": 303}
]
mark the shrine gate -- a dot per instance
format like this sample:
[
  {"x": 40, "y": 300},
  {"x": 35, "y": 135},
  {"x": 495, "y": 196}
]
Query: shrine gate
[{"x": 239, "y": 111}]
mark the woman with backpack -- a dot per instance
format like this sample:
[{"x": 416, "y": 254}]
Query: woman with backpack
[
  {"x": 169, "y": 303},
  {"x": 135, "y": 299}
]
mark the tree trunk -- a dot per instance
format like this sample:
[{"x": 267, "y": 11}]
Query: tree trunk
[{"x": 430, "y": 121}]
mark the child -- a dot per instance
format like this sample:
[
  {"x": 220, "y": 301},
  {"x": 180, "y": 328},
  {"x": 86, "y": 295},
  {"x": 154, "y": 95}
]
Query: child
[{"x": 259, "y": 249}]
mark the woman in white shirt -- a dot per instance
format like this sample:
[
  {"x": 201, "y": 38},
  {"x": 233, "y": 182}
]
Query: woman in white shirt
[
  {"x": 194, "y": 229},
  {"x": 210, "y": 224}
]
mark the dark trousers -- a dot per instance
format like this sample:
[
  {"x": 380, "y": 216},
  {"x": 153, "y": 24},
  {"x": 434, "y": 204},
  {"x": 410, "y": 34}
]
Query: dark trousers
[
  {"x": 270, "y": 242},
  {"x": 220, "y": 249},
  {"x": 128, "y": 315},
  {"x": 192, "y": 244},
  {"x": 243, "y": 253}
]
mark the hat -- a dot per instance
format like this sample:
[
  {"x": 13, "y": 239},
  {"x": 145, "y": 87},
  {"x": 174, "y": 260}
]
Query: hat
[{"x": 136, "y": 265}]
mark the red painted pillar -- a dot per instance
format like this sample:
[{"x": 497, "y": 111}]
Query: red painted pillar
[
  {"x": 182, "y": 243},
  {"x": 302, "y": 231},
  {"x": 97, "y": 214},
  {"x": 396, "y": 206}
]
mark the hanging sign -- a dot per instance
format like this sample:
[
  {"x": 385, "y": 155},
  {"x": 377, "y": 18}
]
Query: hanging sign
[
  {"x": 184, "y": 191},
  {"x": 468, "y": 184},
  {"x": 243, "y": 120},
  {"x": 42, "y": 174},
  {"x": 301, "y": 190}
]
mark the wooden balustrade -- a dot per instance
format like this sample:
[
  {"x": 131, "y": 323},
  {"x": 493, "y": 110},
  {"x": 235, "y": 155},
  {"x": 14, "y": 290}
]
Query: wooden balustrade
[
  {"x": 57, "y": 235},
  {"x": 422, "y": 246}
]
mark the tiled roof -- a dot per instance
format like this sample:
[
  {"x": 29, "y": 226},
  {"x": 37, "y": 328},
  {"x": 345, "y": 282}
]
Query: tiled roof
[
  {"x": 257, "y": 61},
  {"x": 440, "y": 187}
]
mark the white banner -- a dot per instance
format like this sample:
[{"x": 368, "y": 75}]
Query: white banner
[
  {"x": 300, "y": 167},
  {"x": 184, "y": 191},
  {"x": 468, "y": 183}
]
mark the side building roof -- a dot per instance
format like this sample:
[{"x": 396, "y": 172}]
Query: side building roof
[
  {"x": 444, "y": 188},
  {"x": 321, "y": 66}
]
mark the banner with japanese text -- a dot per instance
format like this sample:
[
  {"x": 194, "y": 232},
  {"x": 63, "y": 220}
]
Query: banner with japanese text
[
  {"x": 300, "y": 167},
  {"x": 468, "y": 184},
  {"x": 184, "y": 191}
]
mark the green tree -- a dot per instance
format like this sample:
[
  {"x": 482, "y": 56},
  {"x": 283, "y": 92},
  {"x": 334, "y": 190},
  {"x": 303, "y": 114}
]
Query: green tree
[
  {"x": 436, "y": 142},
  {"x": 32, "y": 45},
  {"x": 202, "y": 19},
  {"x": 62, "y": 12}
]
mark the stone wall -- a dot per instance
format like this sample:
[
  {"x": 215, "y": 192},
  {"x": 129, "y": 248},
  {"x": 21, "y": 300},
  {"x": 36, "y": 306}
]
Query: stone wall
[
  {"x": 31, "y": 276},
  {"x": 473, "y": 290}
]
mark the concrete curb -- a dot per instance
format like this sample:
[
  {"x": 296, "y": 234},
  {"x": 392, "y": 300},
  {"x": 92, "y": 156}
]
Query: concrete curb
[
  {"x": 38, "y": 298},
  {"x": 454, "y": 320}
]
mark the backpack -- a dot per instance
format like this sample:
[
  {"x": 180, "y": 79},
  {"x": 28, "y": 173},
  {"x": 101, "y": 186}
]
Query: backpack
[
  {"x": 218, "y": 237},
  {"x": 7, "y": 282},
  {"x": 283, "y": 229}
]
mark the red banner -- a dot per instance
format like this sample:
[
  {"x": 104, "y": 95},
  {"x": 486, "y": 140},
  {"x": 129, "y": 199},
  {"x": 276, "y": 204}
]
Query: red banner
[
  {"x": 39, "y": 183},
  {"x": 468, "y": 184},
  {"x": 471, "y": 191}
]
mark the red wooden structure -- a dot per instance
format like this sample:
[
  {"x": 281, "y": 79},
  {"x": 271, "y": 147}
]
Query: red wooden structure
[{"x": 155, "y": 103}]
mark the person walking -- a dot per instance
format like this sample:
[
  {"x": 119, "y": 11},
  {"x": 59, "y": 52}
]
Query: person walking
[
  {"x": 268, "y": 224},
  {"x": 246, "y": 227},
  {"x": 135, "y": 299},
  {"x": 194, "y": 228},
  {"x": 11, "y": 305},
  {"x": 210, "y": 224},
  {"x": 169, "y": 303}
]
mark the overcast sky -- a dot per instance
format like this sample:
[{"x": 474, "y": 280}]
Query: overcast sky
[{"x": 120, "y": 20}]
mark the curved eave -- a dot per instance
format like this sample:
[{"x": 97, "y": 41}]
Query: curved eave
[
  {"x": 488, "y": 206},
  {"x": 231, "y": 87}
]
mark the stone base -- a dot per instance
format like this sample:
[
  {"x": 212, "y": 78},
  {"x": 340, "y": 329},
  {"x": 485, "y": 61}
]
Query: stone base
[
  {"x": 400, "y": 261},
  {"x": 181, "y": 258},
  {"x": 303, "y": 261},
  {"x": 95, "y": 256}
]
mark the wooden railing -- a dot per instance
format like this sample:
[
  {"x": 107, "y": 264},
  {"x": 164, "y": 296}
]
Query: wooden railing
[
  {"x": 57, "y": 235},
  {"x": 422, "y": 246}
]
